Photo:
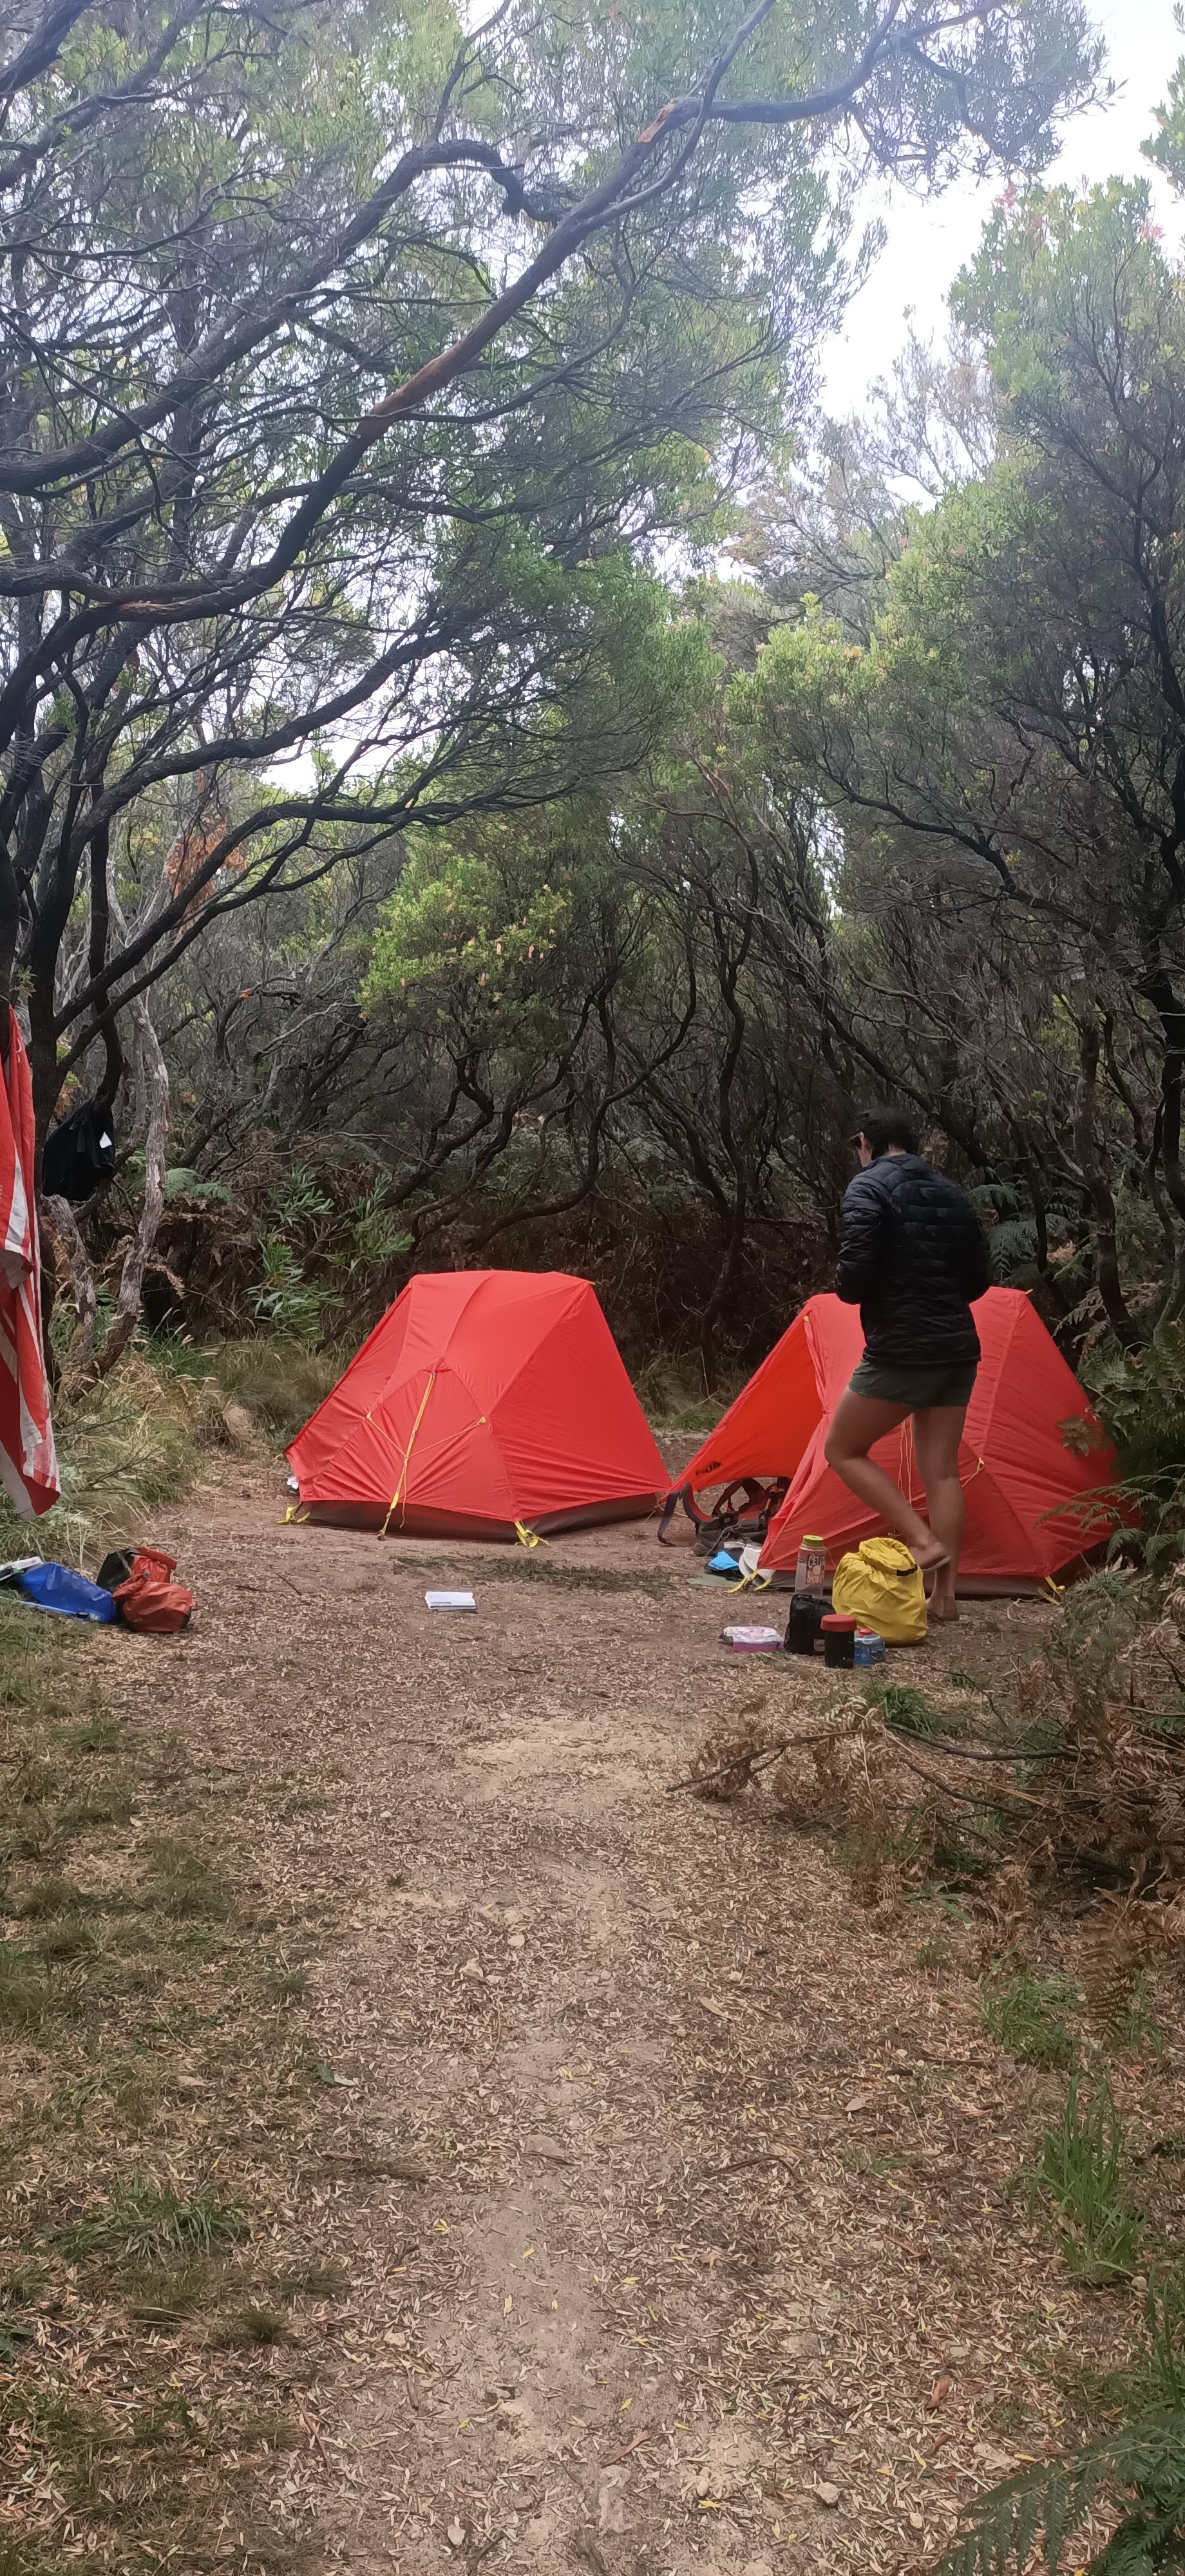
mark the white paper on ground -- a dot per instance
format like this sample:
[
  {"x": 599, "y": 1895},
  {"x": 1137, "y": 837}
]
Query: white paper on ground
[{"x": 450, "y": 1601}]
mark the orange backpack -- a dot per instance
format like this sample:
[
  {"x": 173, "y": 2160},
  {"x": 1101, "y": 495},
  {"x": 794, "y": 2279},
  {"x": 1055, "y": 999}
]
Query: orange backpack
[{"x": 149, "y": 1599}]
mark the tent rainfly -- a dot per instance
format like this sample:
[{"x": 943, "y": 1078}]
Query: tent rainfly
[
  {"x": 1034, "y": 1504},
  {"x": 487, "y": 1403}
]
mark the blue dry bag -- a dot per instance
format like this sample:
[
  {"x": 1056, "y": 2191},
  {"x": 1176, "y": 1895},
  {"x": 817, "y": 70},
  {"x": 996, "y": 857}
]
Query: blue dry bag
[{"x": 57, "y": 1587}]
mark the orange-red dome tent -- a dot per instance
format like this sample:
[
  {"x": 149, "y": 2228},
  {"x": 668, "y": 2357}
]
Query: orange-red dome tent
[
  {"x": 486, "y": 1402},
  {"x": 1033, "y": 1505}
]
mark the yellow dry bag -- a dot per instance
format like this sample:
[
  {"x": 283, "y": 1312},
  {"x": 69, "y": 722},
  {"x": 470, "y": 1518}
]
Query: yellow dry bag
[{"x": 882, "y": 1587}]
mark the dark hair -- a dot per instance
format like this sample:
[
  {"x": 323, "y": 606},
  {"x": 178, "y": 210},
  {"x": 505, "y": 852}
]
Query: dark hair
[{"x": 885, "y": 1127}]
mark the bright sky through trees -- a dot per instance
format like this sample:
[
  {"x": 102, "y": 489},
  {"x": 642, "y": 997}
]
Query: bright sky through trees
[{"x": 928, "y": 242}]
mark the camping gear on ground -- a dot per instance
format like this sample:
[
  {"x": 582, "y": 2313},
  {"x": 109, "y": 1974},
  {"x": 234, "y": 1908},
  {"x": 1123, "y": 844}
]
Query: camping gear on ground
[
  {"x": 752, "y": 1641},
  {"x": 67, "y": 1594},
  {"x": 839, "y": 1641},
  {"x": 810, "y": 1571},
  {"x": 723, "y": 1563},
  {"x": 881, "y": 1586},
  {"x": 804, "y": 1627},
  {"x": 149, "y": 1598},
  {"x": 28, "y": 1467},
  {"x": 450, "y": 1600},
  {"x": 116, "y": 1567},
  {"x": 10, "y": 1573},
  {"x": 486, "y": 1404},
  {"x": 870, "y": 1647},
  {"x": 79, "y": 1153},
  {"x": 1034, "y": 1506},
  {"x": 730, "y": 1520}
]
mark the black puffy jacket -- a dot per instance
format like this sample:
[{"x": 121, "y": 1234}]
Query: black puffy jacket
[{"x": 912, "y": 1256}]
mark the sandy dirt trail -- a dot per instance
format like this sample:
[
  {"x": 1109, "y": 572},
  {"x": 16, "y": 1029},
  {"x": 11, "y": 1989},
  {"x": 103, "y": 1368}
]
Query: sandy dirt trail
[{"x": 669, "y": 2184}]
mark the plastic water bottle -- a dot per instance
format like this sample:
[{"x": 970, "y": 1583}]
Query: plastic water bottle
[{"x": 810, "y": 1572}]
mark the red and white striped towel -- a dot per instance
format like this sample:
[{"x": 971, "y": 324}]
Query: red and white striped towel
[{"x": 28, "y": 1467}]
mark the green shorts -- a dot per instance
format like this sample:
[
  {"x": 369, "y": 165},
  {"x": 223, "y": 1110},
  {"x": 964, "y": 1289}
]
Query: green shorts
[{"x": 915, "y": 1389}]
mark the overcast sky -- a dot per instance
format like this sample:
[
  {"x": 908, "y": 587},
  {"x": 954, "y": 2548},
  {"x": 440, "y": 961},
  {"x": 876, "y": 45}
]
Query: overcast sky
[{"x": 928, "y": 243}]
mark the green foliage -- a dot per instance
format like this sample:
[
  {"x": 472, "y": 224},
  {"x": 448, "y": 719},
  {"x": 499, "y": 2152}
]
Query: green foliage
[
  {"x": 1134, "y": 2025},
  {"x": 124, "y": 1447},
  {"x": 352, "y": 1242},
  {"x": 905, "y": 1708},
  {"x": 1140, "y": 1399},
  {"x": 1079, "y": 2170},
  {"x": 181, "y": 1182},
  {"x": 1141, "y": 2468},
  {"x": 1138, "y": 2471},
  {"x": 280, "y": 1382},
  {"x": 1031, "y": 604},
  {"x": 287, "y": 1302},
  {"x": 1026, "y": 2014},
  {"x": 372, "y": 1236},
  {"x": 300, "y": 1196},
  {"x": 1167, "y": 145}
]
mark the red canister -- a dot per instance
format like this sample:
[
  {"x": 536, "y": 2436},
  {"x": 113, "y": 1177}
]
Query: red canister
[{"x": 839, "y": 1641}]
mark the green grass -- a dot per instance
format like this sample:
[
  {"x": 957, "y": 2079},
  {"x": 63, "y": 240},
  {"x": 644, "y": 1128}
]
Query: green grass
[
  {"x": 169, "y": 2293},
  {"x": 152, "y": 2095},
  {"x": 124, "y": 1447},
  {"x": 186, "y": 1886},
  {"x": 256, "y": 2324},
  {"x": 278, "y": 1382},
  {"x": 24, "y": 1988},
  {"x": 1135, "y": 2026},
  {"x": 47, "y": 1898},
  {"x": 907, "y": 1710},
  {"x": 145, "y": 2222},
  {"x": 1026, "y": 2015},
  {"x": 1079, "y": 2172}
]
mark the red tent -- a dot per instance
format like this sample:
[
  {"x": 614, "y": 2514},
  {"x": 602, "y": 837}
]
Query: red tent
[
  {"x": 1033, "y": 1505},
  {"x": 484, "y": 1400}
]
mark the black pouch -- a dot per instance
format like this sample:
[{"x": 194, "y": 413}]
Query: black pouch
[
  {"x": 115, "y": 1568},
  {"x": 79, "y": 1153}
]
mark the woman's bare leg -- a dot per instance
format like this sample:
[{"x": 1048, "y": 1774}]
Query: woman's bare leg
[
  {"x": 857, "y": 1423},
  {"x": 936, "y": 1437}
]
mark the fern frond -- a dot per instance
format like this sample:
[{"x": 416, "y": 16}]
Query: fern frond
[{"x": 1144, "y": 2460}]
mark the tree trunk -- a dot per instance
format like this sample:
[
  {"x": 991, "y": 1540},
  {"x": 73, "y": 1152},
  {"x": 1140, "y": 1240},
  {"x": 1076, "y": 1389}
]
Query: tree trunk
[
  {"x": 65, "y": 1224},
  {"x": 726, "y": 1279},
  {"x": 1097, "y": 1183},
  {"x": 152, "y": 1083},
  {"x": 1157, "y": 988}
]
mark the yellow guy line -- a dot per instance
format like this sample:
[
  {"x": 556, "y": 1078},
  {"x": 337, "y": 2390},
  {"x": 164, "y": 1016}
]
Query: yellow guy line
[{"x": 406, "y": 1455}]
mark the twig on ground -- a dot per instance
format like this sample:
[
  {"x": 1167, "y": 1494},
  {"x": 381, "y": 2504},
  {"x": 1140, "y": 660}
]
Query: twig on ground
[
  {"x": 474, "y": 2559},
  {"x": 635, "y": 2445},
  {"x": 743, "y": 2164}
]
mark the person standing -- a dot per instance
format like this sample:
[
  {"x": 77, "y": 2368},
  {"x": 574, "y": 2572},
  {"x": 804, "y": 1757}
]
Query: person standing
[{"x": 913, "y": 1256}]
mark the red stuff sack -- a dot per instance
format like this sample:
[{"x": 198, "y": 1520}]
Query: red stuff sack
[{"x": 149, "y": 1599}]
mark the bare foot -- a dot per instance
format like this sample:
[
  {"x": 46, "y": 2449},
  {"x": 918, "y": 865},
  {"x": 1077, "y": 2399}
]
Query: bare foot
[
  {"x": 942, "y": 1606},
  {"x": 930, "y": 1559}
]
